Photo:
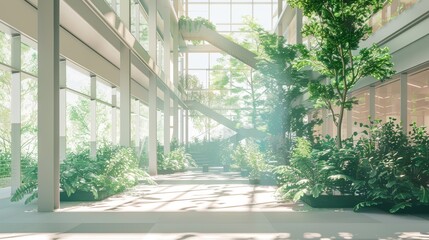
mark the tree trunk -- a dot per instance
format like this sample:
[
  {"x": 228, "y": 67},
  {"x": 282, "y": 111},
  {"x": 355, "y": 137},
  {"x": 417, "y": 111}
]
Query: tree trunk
[{"x": 339, "y": 127}]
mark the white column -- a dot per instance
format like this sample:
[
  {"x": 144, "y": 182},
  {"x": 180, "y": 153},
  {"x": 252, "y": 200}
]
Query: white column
[
  {"x": 125, "y": 81},
  {"x": 404, "y": 102},
  {"x": 167, "y": 59},
  {"x": 137, "y": 127},
  {"x": 182, "y": 125},
  {"x": 166, "y": 121},
  {"x": 372, "y": 103},
  {"x": 175, "y": 82},
  {"x": 136, "y": 15},
  {"x": 186, "y": 129},
  {"x": 114, "y": 116},
  {"x": 16, "y": 113},
  {"x": 152, "y": 145},
  {"x": 63, "y": 110},
  {"x": 279, "y": 11},
  {"x": 298, "y": 15},
  {"x": 93, "y": 117},
  {"x": 48, "y": 105}
]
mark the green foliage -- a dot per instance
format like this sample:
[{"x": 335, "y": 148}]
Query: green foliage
[
  {"x": 112, "y": 171},
  {"x": 195, "y": 25},
  {"x": 176, "y": 160},
  {"x": 248, "y": 155},
  {"x": 384, "y": 166},
  {"x": 227, "y": 148},
  {"x": 285, "y": 85},
  {"x": 397, "y": 166},
  {"x": 5, "y": 161},
  {"x": 314, "y": 170},
  {"x": 338, "y": 27}
]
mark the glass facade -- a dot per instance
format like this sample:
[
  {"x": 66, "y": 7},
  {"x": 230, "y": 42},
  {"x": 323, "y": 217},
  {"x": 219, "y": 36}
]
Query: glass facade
[{"x": 418, "y": 98}]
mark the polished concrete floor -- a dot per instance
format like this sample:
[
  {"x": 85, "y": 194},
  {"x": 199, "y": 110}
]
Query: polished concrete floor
[{"x": 193, "y": 205}]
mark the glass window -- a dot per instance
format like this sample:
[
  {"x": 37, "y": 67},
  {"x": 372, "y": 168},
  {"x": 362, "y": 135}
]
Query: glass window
[
  {"x": 78, "y": 124},
  {"x": 5, "y": 48},
  {"x": 104, "y": 91},
  {"x": 239, "y": 11},
  {"x": 198, "y": 10},
  {"x": 418, "y": 98},
  {"x": 29, "y": 59},
  {"x": 104, "y": 123},
  {"x": 160, "y": 127},
  {"x": 220, "y": 13},
  {"x": 388, "y": 101},
  {"x": 29, "y": 115},
  {"x": 360, "y": 111},
  {"x": 78, "y": 79},
  {"x": 198, "y": 60},
  {"x": 160, "y": 53},
  {"x": 260, "y": 15},
  {"x": 201, "y": 75}
]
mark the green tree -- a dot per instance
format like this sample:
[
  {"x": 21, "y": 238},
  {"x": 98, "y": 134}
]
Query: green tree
[
  {"x": 338, "y": 26},
  {"x": 284, "y": 84}
]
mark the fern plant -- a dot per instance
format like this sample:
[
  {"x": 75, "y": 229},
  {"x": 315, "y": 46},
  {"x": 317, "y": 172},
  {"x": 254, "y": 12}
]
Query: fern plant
[{"x": 113, "y": 170}]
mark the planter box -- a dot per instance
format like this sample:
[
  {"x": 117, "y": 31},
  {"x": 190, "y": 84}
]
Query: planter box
[
  {"x": 81, "y": 196},
  {"x": 254, "y": 181},
  {"x": 332, "y": 201},
  {"x": 409, "y": 210},
  {"x": 162, "y": 172}
]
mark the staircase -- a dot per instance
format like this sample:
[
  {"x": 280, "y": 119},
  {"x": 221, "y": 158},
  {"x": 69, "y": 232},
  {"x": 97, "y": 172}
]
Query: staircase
[
  {"x": 221, "y": 42},
  {"x": 241, "y": 132}
]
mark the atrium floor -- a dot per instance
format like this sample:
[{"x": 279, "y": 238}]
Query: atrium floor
[{"x": 193, "y": 205}]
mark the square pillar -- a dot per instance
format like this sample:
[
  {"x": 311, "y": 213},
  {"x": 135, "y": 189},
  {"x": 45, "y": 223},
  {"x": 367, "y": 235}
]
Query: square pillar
[
  {"x": 182, "y": 125},
  {"x": 125, "y": 79},
  {"x": 153, "y": 126},
  {"x": 93, "y": 118},
  {"x": 137, "y": 127},
  {"x": 166, "y": 121},
  {"x": 48, "y": 105},
  {"x": 299, "y": 20},
  {"x": 15, "y": 109},
  {"x": 125, "y": 88},
  {"x": 63, "y": 110},
  {"x": 114, "y": 116}
]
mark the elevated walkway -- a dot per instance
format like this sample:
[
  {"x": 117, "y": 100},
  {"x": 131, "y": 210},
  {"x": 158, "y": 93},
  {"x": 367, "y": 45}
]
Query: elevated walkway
[{"x": 221, "y": 42}]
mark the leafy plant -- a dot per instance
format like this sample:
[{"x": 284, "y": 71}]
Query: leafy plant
[
  {"x": 176, "y": 161},
  {"x": 195, "y": 25},
  {"x": 316, "y": 170},
  {"x": 338, "y": 27},
  {"x": 398, "y": 174},
  {"x": 113, "y": 170}
]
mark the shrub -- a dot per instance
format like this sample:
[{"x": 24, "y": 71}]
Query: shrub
[
  {"x": 176, "y": 160},
  {"x": 398, "y": 166},
  {"x": 113, "y": 170}
]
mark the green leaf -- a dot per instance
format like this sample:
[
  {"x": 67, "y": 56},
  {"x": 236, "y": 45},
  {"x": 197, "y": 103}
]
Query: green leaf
[
  {"x": 299, "y": 194},
  {"x": 338, "y": 177},
  {"x": 423, "y": 195},
  {"x": 399, "y": 206}
]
